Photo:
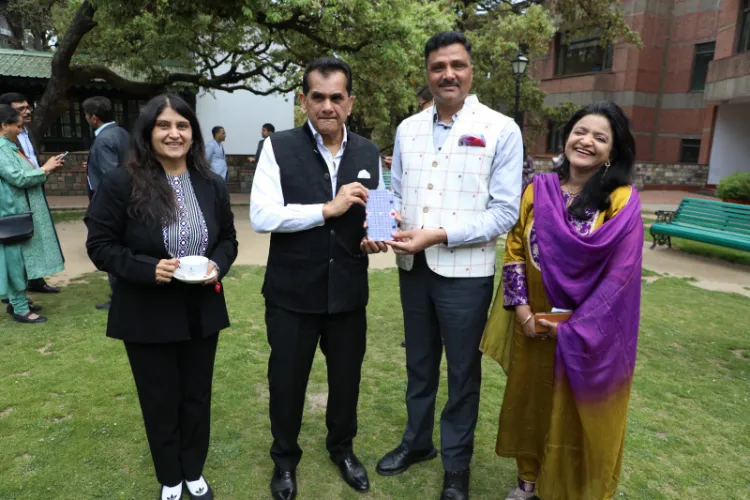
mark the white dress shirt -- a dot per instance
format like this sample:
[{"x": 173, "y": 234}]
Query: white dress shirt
[
  {"x": 268, "y": 211},
  {"x": 28, "y": 148},
  {"x": 505, "y": 182}
]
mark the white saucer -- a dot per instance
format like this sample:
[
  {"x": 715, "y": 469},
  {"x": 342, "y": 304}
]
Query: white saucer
[{"x": 192, "y": 278}]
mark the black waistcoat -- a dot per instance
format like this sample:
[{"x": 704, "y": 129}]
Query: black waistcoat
[{"x": 323, "y": 269}]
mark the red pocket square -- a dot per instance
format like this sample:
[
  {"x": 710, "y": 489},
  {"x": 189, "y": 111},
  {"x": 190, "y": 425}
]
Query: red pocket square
[{"x": 472, "y": 140}]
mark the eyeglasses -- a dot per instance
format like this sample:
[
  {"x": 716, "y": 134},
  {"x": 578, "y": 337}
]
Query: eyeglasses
[{"x": 23, "y": 109}]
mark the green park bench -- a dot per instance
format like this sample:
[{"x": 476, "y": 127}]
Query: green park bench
[{"x": 708, "y": 221}]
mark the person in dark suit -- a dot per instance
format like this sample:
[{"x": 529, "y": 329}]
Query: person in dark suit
[
  {"x": 167, "y": 205},
  {"x": 109, "y": 151},
  {"x": 266, "y": 130},
  {"x": 309, "y": 192},
  {"x": 111, "y": 145}
]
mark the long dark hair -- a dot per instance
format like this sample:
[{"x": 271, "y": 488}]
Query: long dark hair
[
  {"x": 596, "y": 191},
  {"x": 152, "y": 199}
]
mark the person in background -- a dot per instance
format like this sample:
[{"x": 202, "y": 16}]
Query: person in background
[
  {"x": 215, "y": 156},
  {"x": 528, "y": 169},
  {"x": 111, "y": 145},
  {"x": 266, "y": 130},
  {"x": 108, "y": 152},
  {"x": 21, "y": 192},
  {"x": 424, "y": 98},
  {"x": 26, "y": 145},
  {"x": 456, "y": 179},
  {"x": 577, "y": 247},
  {"x": 167, "y": 205},
  {"x": 309, "y": 192}
]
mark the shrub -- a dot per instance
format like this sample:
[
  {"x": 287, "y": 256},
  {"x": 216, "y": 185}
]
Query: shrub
[{"x": 735, "y": 187}]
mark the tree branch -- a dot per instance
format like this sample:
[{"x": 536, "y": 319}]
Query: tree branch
[{"x": 307, "y": 30}]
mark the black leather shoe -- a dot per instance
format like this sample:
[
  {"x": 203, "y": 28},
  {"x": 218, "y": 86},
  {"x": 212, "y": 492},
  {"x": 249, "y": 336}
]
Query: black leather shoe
[
  {"x": 455, "y": 485},
  {"x": 25, "y": 318},
  {"x": 44, "y": 289},
  {"x": 400, "y": 459},
  {"x": 354, "y": 473},
  {"x": 32, "y": 308},
  {"x": 103, "y": 307},
  {"x": 283, "y": 484}
]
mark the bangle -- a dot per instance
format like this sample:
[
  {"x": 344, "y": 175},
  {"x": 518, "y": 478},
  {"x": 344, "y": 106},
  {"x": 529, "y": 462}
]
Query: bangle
[{"x": 527, "y": 319}]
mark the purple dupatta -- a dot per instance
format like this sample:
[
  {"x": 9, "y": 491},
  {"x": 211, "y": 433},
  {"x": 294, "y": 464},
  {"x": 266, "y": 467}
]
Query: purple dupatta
[{"x": 598, "y": 276}]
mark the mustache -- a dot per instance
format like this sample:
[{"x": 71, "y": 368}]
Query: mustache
[{"x": 448, "y": 83}]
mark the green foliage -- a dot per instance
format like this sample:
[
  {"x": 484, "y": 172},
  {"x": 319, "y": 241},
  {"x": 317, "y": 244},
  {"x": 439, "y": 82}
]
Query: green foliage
[
  {"x": 263, "y": 45},
  {"x": 735, "y": 187}
]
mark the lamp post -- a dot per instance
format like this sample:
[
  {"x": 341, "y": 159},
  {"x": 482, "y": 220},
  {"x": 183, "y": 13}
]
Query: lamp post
[{"x": 519, "y": 65}]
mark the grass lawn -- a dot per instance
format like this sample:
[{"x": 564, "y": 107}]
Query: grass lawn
[{"x": 70, "y": 424}]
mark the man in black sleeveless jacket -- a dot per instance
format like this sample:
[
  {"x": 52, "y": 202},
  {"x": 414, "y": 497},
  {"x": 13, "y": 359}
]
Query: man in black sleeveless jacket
[{"x": 309, "y": 192}]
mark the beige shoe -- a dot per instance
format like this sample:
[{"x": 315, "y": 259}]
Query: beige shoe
[{"x": 519, "y": 494}]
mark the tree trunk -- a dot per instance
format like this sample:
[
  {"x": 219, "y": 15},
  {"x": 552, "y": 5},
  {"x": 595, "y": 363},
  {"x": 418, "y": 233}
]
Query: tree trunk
[{"x": 54, "y": 100}]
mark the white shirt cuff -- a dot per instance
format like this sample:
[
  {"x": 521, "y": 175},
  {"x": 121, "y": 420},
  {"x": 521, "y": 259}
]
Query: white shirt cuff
[{"x": 456, "y": 236}]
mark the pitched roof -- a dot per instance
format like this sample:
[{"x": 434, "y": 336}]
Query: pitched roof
[{"x": 25, "y": 63}]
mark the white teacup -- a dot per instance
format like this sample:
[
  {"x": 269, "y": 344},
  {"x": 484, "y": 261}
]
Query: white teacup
[{"x": 194, "y": 265}]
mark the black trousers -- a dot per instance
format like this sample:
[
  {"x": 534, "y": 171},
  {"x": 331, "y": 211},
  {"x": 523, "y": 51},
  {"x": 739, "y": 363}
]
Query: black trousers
[
  {"x": 294, "y": 338},
  {"x": 174, "y": 387},
  {"x": 450, "y": 312}
]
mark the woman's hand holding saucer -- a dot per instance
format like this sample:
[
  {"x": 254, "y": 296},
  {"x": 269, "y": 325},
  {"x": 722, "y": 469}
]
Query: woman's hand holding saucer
[
  {"x": 165, "y": 270},
  {"x": 211, "y": 271}
]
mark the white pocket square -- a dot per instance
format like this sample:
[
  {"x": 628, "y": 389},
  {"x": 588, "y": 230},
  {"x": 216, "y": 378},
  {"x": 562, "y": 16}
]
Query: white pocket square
[{"x": 363, "y": 174}]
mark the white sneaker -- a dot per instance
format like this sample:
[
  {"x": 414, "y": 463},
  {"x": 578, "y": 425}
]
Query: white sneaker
[{"x": 519, "y": 494}]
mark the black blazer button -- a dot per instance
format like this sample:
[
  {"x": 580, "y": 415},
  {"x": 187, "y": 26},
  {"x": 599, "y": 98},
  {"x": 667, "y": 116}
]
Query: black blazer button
[{"x": 326, "y": 176}]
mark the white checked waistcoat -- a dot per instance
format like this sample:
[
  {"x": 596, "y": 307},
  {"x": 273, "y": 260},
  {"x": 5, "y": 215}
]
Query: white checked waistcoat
[{"x": 450, "y": 186}]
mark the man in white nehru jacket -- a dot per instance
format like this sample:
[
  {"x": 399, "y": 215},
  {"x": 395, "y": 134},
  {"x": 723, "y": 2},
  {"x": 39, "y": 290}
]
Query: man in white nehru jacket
[{"x": 456, "y": 176}]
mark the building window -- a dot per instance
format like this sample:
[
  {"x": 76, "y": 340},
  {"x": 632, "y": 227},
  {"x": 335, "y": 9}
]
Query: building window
[
  {"x": 554, "y": 138},
  {"x": 582, "y": 55},
  {"x": 704, "y": 54},
  {"x": 744, "y": 24},
  {"x": 118, "y": 111},
  {"x": 67, "y": 125},
  {"x": 690, "y": 150}
]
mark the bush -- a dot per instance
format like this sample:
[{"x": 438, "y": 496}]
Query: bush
[{"x": 735, "y": 187}]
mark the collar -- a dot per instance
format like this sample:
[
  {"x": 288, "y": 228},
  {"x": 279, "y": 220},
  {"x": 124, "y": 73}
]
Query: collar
[
  {"x": 99, "y": 130},
  {"x": 24, "y": 131},
  {"x": 470, "y": 101},
  {"x": 319, "y": 138}
]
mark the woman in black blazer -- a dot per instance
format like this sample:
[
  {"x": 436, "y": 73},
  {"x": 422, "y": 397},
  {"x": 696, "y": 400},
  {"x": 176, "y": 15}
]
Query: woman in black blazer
[{"x": 164, "y": 206}]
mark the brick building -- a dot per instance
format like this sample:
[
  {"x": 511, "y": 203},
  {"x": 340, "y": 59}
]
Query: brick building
[{"x": 687, "y": 90}]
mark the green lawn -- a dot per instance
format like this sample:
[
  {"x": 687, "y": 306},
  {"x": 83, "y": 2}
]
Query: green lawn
[{"x": 70, "y": 424}]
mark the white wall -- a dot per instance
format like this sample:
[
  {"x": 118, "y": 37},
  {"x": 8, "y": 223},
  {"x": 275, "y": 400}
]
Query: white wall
[
  {"x": 242, "y": 114},
  {"x": 730, "y": 150}
]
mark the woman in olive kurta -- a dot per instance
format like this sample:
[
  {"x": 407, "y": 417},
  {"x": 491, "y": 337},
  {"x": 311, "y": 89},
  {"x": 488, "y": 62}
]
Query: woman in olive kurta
[
  {"x": 564, "y": 411},
  {"x": 39, "y": 256}
]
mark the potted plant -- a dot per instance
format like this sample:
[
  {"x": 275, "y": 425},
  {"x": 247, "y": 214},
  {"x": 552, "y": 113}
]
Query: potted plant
[{"x": 735, "y": 188}]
